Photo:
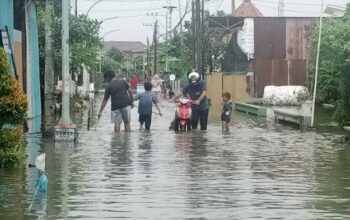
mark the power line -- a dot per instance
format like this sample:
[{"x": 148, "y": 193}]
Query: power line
[
  {"x": 219, "y": 5},
  {"x": 290, "y": 10},
  {"x": 289, "y": 3},
  {"x": 128, "y": 10},
  {"x": 130, "y": 16},
  {"x": 128, "y": 1}
]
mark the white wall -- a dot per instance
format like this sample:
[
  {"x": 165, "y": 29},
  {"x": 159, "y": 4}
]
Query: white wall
[{"x": 245, "y": 37}]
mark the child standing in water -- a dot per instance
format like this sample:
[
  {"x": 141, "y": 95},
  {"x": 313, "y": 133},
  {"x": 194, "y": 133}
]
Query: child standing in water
[
  {"x": 146, "y": 99},
  {"x": 226, "y": 111}
]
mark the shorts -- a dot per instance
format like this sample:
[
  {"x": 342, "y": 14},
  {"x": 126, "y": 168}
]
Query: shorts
[
  {"x": 225, "y": 118},
  {"x": 121, "y": 115},
  {"x": 145, "y": 118}
]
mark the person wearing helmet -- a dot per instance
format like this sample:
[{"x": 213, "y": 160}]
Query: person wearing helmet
[{"x": 196, "y": 90}]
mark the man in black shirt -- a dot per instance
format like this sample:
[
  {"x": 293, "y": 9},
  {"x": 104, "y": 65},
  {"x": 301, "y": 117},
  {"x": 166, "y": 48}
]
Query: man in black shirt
[
  {"x": 197, "y": 90},
  {"x": 122, "y": 100}
]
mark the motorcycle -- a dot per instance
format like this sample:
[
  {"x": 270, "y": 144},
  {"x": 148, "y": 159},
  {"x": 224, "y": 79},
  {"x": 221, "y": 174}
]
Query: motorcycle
[{"x": 183, "y": 115}]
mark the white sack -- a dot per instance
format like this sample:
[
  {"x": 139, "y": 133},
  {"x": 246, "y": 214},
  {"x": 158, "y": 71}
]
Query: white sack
[
  {"x": 285, "y": 95},
  {"x": 40, "y": 162}
]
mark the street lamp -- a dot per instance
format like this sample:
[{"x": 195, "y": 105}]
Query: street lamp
[
  {"x": 87, "y": 13},
  {"x": 317, "y": 65},
  {"x": 107, "y": 19},
  {"x": 109, "y": 32}
]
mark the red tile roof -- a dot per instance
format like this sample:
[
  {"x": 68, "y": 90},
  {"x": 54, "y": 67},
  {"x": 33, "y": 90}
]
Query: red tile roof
[{"x": 248, "y": 9}]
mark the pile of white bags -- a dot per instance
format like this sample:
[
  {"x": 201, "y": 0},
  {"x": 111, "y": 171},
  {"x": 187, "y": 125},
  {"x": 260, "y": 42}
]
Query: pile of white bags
[{"x": 285, "y": 95}]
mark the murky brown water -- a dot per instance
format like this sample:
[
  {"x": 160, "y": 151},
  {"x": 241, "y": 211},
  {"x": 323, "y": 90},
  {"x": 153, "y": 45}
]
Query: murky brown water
[{"x": 258, "y": 171}]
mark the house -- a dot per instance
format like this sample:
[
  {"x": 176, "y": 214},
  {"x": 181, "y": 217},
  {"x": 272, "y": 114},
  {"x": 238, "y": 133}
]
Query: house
[
  {"x": 19, "y": 37},
  {"x": 247, "y": 9},
  {"x": 269, "y": 50},
  {"x": 130, "y": 48}
]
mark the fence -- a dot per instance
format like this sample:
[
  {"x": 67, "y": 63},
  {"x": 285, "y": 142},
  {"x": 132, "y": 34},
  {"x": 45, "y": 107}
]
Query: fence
[{"x": 218, "y": 83}]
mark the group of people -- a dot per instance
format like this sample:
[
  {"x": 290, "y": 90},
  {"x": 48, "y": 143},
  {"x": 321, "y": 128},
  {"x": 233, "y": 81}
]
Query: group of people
[{"x": 122, "y": 100}]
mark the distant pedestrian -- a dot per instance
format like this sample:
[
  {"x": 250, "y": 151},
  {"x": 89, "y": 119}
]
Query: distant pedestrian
[
  {"x": 226, "y": 111},
  {"x": 133, "y": 82},
  {"x": 146, "y": 99},
  {"x": 122, "y": 100},
  {"x": 157, "y": 85}
]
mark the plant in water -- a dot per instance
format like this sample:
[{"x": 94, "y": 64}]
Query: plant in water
[{"x": 13, "y": 107}]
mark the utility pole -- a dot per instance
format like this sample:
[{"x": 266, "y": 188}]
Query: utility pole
[
  {"x": 168, "y": 27},
  {"x": 76, "y": 8},
  {"x": 202, "y": 43},
  {"x": 49, "y": 90},
  {"x": 148, "y": 61},
  {"x": 168, "y": 21},
  {"x": 65, "y": 130},
  {"x": 233, "y": 7},
  {"x": 198, "y": 35},
  {"x": 155, "y": 42},
  {"x": 280, "y": 8},
  {"x": 180, "y": 16},
  {"x": 193, "y": 27}
]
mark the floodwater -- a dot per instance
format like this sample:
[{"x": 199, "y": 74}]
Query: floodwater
[{"x": 259, "y": 170}]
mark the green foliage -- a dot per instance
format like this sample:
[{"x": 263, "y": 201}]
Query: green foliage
[
  {"x": 84, "y": 40},
  {"x": 115, "y": 54},
  {"x": 181, "y": 48},
  {"x": 13, "y": 107},
  {"x": 342, "y": 114},
  {"x": 334, "y": 67},
  {"x": 5, "y": 77},
  {"x": 181, "y": 52},
  {"x": 12, "y": 151},
  {"x": 13, "y": 101}
]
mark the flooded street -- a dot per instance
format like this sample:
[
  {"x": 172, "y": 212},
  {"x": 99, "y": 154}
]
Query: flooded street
[{"x": 258, "y": 171}]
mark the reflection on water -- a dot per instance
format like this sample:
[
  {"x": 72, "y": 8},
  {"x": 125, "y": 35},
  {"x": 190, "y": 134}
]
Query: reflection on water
[{"x": 258, "y": 171}]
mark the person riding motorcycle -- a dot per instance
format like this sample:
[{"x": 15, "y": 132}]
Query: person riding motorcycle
[{"x": 196, "y": 90}]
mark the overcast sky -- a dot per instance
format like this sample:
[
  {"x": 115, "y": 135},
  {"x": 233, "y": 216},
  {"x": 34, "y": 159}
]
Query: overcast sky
[{"x": 133, "y": 19}]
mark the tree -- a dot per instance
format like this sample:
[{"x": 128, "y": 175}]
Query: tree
[
  {"x": 115, "y": 54},
  {"x": 334, "y": 67},
  {"x": 109, "y": 67},
  {"x": 181, "y": 47},
  {"x": 84, "y": 47},
  {"x": 84, "y": 40}
]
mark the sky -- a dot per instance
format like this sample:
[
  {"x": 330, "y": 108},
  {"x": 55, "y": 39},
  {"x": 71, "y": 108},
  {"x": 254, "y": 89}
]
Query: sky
[{"x": 135, "y": 16}]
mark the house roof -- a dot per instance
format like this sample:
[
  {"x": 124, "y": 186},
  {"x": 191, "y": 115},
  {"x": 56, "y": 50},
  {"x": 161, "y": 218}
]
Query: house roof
[
  {"x": 248, "y": 9},
  {"x": 125, "y": 46}
]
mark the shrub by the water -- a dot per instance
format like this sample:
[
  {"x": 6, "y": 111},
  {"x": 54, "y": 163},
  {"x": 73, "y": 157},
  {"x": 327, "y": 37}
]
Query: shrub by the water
[
  {"x": 13, "y": 107},
  {"x": 12, "y": 151}
]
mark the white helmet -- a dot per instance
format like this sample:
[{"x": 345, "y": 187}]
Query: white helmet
[{"x": 194, "y": 77}]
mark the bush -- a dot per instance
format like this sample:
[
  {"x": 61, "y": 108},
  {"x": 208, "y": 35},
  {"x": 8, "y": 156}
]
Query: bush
[
  {"x": 5, "y": 77},
  {"x": 12, "y": 152},
  {"x": 334, "y": 67},
  {"x": 342, "y": 114},
  {"x": 13, "y": 107}
]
